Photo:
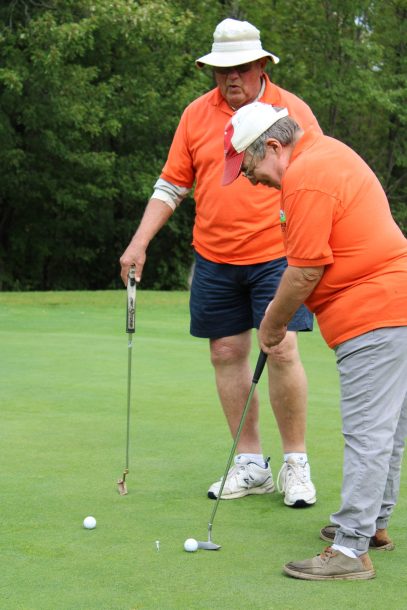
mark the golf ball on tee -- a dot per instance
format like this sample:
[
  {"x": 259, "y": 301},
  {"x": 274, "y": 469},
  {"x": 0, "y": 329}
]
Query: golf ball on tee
[
  {"x": 191, "y": 545},
  {"x": 89, "y": 523}
]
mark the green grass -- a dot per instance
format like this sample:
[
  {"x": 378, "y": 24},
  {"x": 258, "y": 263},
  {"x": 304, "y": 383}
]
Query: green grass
[{"x": 63, "y": 371}]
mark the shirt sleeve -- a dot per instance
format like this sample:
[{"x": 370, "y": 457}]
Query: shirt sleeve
[
  {"x": 169, "y": 193},
  {"x": 308, "y": 226},
  {"x": 179, "y": 168}
]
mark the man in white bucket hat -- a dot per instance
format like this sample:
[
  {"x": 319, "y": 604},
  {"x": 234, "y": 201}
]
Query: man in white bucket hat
[
  {"x": 235, "y": 43},
  {"x": 239, "y": 260}
]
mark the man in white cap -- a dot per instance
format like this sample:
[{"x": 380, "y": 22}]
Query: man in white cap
[
  {"x": 239, "y": 260},
  {"x": 347, "y": 260}
]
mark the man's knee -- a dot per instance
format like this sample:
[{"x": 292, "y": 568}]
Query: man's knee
[
  {"x": 286, "y": 353},
  {"x": 226, "y": 351}
]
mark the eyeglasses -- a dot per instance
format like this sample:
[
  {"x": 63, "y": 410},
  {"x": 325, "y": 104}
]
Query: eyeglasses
[
  {"x": 228, "y": 69},
  {"x": 248, "y": 171}
]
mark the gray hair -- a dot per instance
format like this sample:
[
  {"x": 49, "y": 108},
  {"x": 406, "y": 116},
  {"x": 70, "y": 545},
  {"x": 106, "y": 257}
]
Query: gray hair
[{"x": 284, "y": 130}]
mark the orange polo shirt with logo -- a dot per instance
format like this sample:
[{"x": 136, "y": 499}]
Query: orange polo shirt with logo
[
  {"x": 239, "y": 223},
  {"x": 335, "y": 213}
]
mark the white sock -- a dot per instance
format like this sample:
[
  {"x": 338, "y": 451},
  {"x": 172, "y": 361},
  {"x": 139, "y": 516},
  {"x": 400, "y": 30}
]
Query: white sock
[
  {"x": 299, "y": 458},
  {"x": 353, "y": 553},
  {"x": 257, "y": 458}
]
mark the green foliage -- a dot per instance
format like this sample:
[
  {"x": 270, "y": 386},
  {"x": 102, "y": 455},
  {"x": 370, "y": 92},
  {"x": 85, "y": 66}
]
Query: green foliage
[
  {"x": 347, "y": 59},
  {"x": 91, "y": 93},
  {"x": 89, "y": 103}
]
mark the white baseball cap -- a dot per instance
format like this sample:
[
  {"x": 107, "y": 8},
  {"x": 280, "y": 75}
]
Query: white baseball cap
[
  {"x": 245, "y": 126},
  {"x": 235, "y": 43}
]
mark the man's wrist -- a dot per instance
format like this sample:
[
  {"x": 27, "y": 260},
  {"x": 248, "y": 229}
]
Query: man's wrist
[{"x": 275, "y": 321}]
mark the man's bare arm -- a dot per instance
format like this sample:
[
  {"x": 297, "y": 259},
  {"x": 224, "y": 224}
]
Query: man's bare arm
[{"x": 297, "y": 283}]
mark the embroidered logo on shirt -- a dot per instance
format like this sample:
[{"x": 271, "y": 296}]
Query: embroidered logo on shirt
[{"x": 283, "y": 220}]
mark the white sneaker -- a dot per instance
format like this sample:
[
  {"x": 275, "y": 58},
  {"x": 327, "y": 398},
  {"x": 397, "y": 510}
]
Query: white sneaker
[
  {"x": 294, "y": 481},
  {"x": 244, "y": 478}
]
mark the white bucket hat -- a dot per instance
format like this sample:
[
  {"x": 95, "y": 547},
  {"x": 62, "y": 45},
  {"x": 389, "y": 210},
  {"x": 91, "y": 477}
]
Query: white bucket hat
[
  {"x": 245, "y": 126},
  {"x": 235, "y": 43}
]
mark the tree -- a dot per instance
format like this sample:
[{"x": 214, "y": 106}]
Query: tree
[
  {"x": 90, "y": 94},
  {"x": 389, "y": 30},
  {"x": 347, "y": 59}
]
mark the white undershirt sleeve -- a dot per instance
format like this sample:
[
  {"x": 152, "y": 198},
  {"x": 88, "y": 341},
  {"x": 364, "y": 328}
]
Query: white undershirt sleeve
[{"x": 169, "y": 193}]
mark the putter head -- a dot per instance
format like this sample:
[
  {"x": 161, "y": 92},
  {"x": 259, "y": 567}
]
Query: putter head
[
  {"x": 208, "y": 546},
  {"x": 122, "y": 487}
]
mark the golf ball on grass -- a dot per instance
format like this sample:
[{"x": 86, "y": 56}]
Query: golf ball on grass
[
  {"x": 191, "y": 545},
  {"x": 89, "y": 523}
]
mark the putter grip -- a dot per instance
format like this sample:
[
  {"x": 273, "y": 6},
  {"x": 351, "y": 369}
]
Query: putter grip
[
  {"x": 261, "y": 361},
  {"x": 131, "y": 301}
]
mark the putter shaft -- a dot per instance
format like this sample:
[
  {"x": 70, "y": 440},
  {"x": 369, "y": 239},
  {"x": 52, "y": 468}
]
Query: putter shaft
[
  {"x": 261, "y": 361},
  {"x": 130, "y": 329},
  {"x": 129, "y": 359}
]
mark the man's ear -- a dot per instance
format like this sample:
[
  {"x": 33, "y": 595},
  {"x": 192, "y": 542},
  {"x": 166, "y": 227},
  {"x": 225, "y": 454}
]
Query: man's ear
[
  {"x": 262, "y": 62},
  {"x": 274, "y": 146}
]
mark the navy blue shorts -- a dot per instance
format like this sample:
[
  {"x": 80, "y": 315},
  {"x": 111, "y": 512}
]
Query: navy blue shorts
[{"x": 227, "y": 300}]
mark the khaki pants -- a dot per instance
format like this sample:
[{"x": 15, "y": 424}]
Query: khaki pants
[{"x": 373, "y": 378}]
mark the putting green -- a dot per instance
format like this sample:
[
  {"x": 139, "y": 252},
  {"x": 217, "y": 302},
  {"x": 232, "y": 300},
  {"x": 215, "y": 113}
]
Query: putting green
[{"x": 63, "y": 366}]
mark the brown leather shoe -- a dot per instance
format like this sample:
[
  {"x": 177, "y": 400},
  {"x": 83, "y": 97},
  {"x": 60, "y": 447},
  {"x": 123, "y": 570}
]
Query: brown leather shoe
[
  {"x": 379, "y": 542},
  {"x": 332, "y": 565}
]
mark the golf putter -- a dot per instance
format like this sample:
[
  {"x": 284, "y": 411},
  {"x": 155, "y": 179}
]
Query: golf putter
[
  {"x": 130, "y": 329},
  {"x": 209, "y": 545}
]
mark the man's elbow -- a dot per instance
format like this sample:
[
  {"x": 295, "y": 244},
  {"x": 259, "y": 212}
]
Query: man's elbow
[{"x": 312, "y": 275}]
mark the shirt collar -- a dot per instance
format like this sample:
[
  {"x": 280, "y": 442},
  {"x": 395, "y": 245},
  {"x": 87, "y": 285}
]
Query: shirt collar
[{"x": 304, "y": 143}]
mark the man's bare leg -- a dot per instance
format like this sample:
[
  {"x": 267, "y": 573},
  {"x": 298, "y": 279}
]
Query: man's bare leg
[
  {"x": 230, "y": 358},
  {"x": 287, "y": 388},
  {"x": 288, "y": 391},
  {"x": 288, "y": 396},
  {"x": 250, "y": 473}
]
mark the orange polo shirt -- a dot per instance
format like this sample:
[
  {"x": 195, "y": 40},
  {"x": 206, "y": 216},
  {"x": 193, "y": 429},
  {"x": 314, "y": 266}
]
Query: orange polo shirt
[
  {"x": 335, "y": 213},
  {"x": 239, "y": 223}
]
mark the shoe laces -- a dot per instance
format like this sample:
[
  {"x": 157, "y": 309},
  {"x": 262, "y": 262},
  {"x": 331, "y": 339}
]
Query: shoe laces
[
  {"x": 236, "y": 469},
  {"x": 291, "y": 470},
  {"x": 244, "y": 465},
  {"x": 233, "y": 470},
  {"x": 327, "y": 553},
  {"x": 239, "y": 469}
]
